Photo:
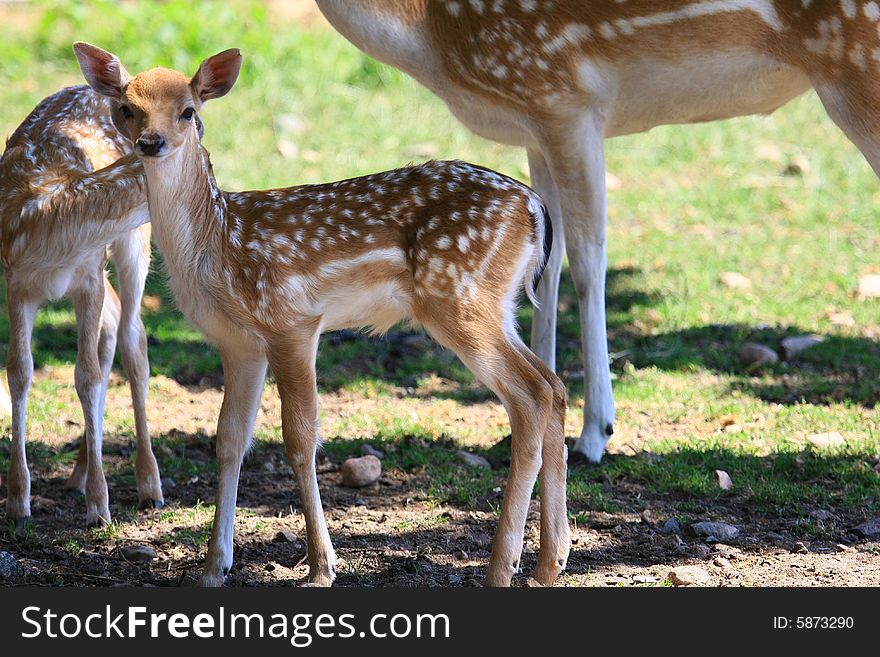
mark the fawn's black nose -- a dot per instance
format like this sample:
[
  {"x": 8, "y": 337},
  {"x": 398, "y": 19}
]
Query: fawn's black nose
[{"x": 150, "y": 144}]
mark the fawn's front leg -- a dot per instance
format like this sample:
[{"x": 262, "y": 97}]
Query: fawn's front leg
[{"x": 244, "y": 373}]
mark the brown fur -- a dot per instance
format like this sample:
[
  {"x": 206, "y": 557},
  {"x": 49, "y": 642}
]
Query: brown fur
[
  {"x": 66, "y": 193},
  {"x": 445, "y": 244}
]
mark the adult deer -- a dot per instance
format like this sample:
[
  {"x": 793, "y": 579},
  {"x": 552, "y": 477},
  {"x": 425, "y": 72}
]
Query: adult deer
[
  {"x": 559, "y": 76},
  {"x": 59, "y": 211},
  {"x": 264, "y": 273}
]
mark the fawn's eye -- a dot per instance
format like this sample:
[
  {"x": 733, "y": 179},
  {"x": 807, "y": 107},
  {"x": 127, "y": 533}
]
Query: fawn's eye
[
  {"x": 187, "y": 114},
  {"x": 126, "y": 111}
]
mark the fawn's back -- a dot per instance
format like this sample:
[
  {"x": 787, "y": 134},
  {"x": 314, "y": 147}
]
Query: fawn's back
[{"x": 69, "y": 134}]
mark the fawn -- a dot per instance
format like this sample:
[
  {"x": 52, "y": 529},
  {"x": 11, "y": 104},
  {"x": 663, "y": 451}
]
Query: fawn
[
  {"x": 59, "y": 210},
  {"x": 264, "y": 273}
]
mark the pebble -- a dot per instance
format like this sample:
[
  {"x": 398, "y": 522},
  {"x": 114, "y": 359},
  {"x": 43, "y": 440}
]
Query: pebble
[
  {"x": 671, "y": 526},
  {"x": 474, "y": 460},
  {"x": 734, "y": 280},
  {"x": 869, "y": 528},
  {"x": 719, "y": 530},
  {"x": 800, "y": 548},
  {"x": 825, "y": 440},
  {"x": 689, "y": 576},
  {"x": 8, "y": 565},
  {"x": 869, "y": 287},
  {"x": 753, "y": 355},
  {"x": 369, "y": 450},
  {"x": 286, "y": 536},
  {"x": 701, "y": 551},
  {"x": 361, "y": 471},
  {"x": 795, "y": 344},
  {"x": 138, "y": 553},
  {"x": 721, "y": 562}
]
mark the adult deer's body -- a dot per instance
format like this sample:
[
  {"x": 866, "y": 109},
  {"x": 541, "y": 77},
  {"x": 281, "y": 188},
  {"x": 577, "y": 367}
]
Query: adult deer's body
[
  {"x": 263, "y": 274},
  {"x": 59, "y": 210},
  {"x": 559, "y": 76}
]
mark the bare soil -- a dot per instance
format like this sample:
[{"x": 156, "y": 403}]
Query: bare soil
[{"x": 387, "y": 534}]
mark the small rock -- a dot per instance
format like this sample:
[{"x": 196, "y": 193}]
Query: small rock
[
  {"x": 869, "y": 528},
  {"x": 721, "y": 562},
  {"x": 362, "y": 471},
  {"x": 724, "y": 480},
  {"x": 869, "y": 287},
  {"x": 825, "y": 440},
  {"x": 369, "y": 450},
  {"x": 795, "y": 344},
  {"x": 822, "y": 515},
  {"x": 727, "y": 551},
  {"x": 689, "y": 576},
  {"x": 474, "y": 460},
  {"x": 800, "y": 548},
  {"x": 721, "y": 531},
  {"x": 840, "y": 547},
  {"x": 701, "y": 551},
  {"x": 461, "y": 554},
  {"x": 753, "y": 355},
  {"x": 138, "y": 553},
  {"x": 8, "y": 565},
  {"x": 734, "y": 280},
  {"x": 168, "y": 484},
  {"x": 671, "y": 526},
  {"x": 841, "y": 318},
  {"x": 674, "y": 541},
  {"x": 648, "y": 517},
  {"x": 286, "y": 536},
  {"x": 269, "y": 467},
  {"x": 645, "y": 579}
]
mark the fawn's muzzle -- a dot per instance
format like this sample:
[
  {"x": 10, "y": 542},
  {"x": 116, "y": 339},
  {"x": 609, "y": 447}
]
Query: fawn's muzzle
[{"x": 150, "y": 145}]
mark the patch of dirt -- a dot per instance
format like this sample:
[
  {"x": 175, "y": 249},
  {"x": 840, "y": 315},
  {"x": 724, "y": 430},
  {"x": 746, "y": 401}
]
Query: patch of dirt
[{"x": 389, "y": 533}]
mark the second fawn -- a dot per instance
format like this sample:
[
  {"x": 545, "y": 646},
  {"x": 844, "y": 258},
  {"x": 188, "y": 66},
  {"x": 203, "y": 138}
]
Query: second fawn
[
  {"x": 447, "y": 245},
  {"x": 59, "y": 211}
]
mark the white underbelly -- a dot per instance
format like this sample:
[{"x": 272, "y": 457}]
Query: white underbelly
[{"x": 704, "y": 88}]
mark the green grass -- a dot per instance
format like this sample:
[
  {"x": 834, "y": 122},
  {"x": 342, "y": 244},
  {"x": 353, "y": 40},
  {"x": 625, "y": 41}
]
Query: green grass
[{"x": 693, "y": 202}]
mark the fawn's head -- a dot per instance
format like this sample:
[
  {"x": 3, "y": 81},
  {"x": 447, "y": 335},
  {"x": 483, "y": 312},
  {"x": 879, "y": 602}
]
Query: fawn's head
[{"x": 158, "y": 109}]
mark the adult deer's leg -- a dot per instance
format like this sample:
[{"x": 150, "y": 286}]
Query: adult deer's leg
[
  {"x": 574, "y": 152},
  {"x": 19, "y": 371},
  {"x": 244, "y": 372},
  {"x": 131, "y": 255},
  {"x": 852, "y": 105},
  {"x": 544, "y": 317},
  {"x": 88, "y": 301},
  {"x": 293, "y": 364}
]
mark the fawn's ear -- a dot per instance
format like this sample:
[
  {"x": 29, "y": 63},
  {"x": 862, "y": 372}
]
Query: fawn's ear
[
  {"x": 102, "y": 70},
  {"x": 217, "y": 75}
]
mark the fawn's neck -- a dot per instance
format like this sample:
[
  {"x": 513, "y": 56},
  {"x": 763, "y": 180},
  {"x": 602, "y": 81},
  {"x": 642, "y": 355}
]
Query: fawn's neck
[{"x": 188, "y": 212}]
